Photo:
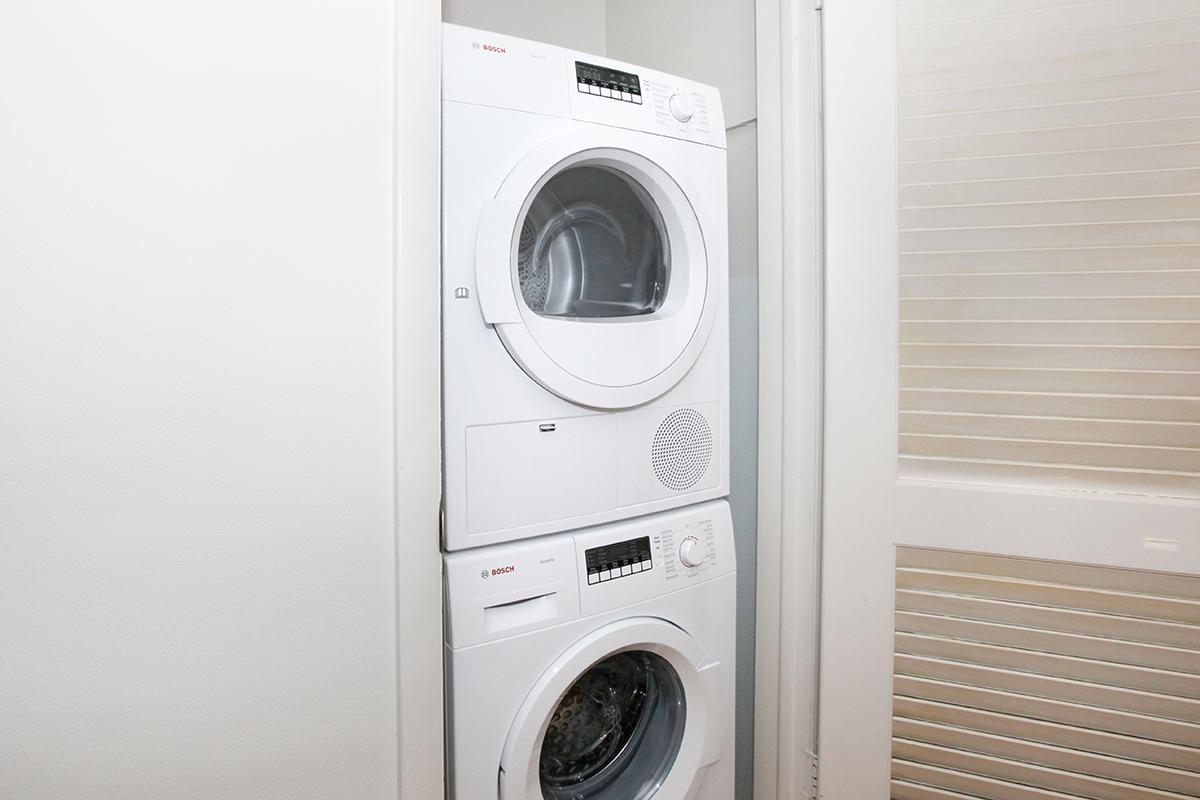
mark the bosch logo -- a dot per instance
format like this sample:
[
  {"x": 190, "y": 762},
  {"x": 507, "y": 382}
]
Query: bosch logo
[
  {"x": 489, "y": 48},
  {"x": 500, "y": 571},
  {"x": 484, "y": 574}
]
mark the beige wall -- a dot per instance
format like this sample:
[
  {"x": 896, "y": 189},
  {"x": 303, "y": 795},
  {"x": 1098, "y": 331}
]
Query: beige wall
[
  {"x": 711, "y": 41},
  {"x": 714, "y": 41},
  {"x": 577, "y": 24},
  {"x": 743, "y": 343}
]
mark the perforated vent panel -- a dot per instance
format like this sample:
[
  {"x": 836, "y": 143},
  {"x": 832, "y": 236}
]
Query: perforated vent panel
[
  {"x": 682, "y": 449},
  {"x": 1018, "y": 679},
  {"x": 534, "y": 277}
]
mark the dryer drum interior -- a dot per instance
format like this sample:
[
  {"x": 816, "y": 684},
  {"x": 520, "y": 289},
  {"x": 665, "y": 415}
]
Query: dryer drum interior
[
  {"x": 593, "y": 244},
  {"x": 616, "y": 732}
]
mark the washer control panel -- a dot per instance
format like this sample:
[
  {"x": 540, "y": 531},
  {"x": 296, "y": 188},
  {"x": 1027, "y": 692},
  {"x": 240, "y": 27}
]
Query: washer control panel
[
  {"x": 628, "y": 562},
  {"x": 620, "y": 560},
  {"x": 687, "y": 550},
  {"x": 691, "y": 552},
  {"x": 678, "y": 107}
]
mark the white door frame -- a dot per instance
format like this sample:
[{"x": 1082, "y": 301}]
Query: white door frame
[
  {"x": 418, "y": 398},
  {"x": 791, "y": 348}
]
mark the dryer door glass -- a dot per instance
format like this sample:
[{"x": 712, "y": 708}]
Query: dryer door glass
[
  {"x": 593, "y": 244},
  {"x": 616, "y": 732}
]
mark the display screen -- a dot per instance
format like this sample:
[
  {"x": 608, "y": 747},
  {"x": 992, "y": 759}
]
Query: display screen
[
  {"x": 617, "y": 560},
  {"x": 605, "y": 82}
]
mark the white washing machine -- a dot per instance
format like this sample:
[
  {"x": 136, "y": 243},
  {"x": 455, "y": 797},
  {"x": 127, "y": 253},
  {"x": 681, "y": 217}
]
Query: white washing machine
[
  {"x": 596, "y": 665},
  {"x": 585, "y": 330}
]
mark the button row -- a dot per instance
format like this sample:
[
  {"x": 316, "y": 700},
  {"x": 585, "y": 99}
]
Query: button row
[
  {"x": 615, "y": 94},
  {"x": 619, "y": 572}
]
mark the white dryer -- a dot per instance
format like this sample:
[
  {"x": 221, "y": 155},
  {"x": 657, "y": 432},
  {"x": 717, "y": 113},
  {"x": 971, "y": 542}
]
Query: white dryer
[
  {"x": 585, "y": 330},
  {"x": 596, "y": 665}
]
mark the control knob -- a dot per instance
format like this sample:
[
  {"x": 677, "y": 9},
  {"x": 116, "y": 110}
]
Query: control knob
[
  {"x": 691, "y": 552},
  {"x": 681, "y": 107}
]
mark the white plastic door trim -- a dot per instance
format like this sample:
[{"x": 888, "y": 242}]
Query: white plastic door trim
[
  {"x": 493, "y": 282},
  {"x": 791, "y": 342}
]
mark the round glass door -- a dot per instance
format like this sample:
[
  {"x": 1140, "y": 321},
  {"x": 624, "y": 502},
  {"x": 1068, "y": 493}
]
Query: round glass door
[
  {"x": 617, "y": 731},
  {"x": 592, "y": 266},
  {"x": 593, "y": 244},
  {"x": 628, "y": 712}
]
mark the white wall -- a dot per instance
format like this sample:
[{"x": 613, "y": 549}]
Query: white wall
[
  {"x": 577, "y": 24},
  {"x": 196, "y": 506},
  {"x": 417, "y": 335}
]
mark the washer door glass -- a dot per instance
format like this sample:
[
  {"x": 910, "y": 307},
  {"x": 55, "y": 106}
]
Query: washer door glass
[
  {"x": 593, "y": 244},
  {"x": 616, "y": 733}
]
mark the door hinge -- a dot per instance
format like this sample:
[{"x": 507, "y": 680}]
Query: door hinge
[{"x": 810, "y": 789}]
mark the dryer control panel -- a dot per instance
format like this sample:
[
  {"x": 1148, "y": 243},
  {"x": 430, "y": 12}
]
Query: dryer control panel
[
  {"x": 492, "y": 69},
  {"x": 613, "y": 93},
  {"x": 606, "y": 82}
]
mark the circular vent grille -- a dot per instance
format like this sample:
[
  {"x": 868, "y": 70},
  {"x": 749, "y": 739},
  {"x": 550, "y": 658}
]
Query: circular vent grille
[{"x": 682, "y": 449}]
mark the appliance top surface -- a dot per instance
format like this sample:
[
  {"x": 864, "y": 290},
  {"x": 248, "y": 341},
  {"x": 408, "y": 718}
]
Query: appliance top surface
[
  {"x": 504, "y": 590},
  {"x": 489, "y": 69}
]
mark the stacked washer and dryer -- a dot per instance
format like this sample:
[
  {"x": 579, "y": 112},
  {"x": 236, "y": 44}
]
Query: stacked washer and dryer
[{"x": 589, "y": 575}]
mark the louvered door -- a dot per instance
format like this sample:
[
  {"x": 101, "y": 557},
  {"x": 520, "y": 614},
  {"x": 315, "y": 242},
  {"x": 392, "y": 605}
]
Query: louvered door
[
  {"x": 1049, "y": 224},
  {"x": 1015, "y": 676},
  {"x": 1011, "y": 590}
]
